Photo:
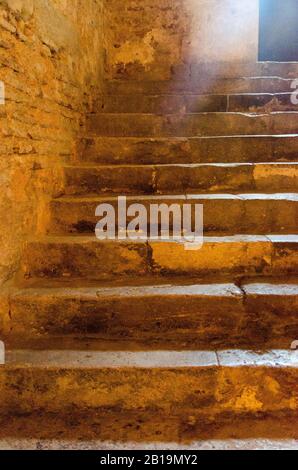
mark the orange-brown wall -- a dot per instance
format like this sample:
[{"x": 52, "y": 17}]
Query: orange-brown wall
[
  {"x": 51, "y": 59},
  {"x": 151, "y": 36}
]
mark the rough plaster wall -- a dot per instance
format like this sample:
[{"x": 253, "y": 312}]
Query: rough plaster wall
[
  {"x": 50, "y": 60},
  {"x": 151, "y": 36}
]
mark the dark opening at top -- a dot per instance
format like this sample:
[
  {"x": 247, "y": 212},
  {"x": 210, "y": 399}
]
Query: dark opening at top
[{"x": 278, "y": 30}]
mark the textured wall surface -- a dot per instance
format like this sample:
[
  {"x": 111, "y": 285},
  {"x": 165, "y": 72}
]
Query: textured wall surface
[
  {"x": 50, "y": 58},
  {"x": 152, "y": 35}
]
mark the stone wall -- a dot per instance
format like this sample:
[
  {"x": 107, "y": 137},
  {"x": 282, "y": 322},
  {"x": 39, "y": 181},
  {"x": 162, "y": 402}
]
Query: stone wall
[
  {"x": 51, "y": 58},
  {"x": 151, "y": 36}
]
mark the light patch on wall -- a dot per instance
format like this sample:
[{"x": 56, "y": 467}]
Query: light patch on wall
[
  {"x": 142, "y": 51},
  {"x": 225, "y": 30},
  {"x": 134, "y": 51},
  {"x": 248, "y": 401}
]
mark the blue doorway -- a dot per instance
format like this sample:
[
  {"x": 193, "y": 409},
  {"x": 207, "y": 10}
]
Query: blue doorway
[{"x": 278, "y": 39}]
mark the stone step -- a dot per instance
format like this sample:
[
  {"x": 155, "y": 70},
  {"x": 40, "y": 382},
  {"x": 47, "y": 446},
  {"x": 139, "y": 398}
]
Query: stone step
[
  {"x": 191, "y": 125},
  {"x": 223, "y": 213},
  {"x": 261, "y": 103},
  {"x": 185, "y": 386},
  {"x": 79, "y": 441},
  {"x": 88, "y": 258},
  {"x": 213, "y": 71},
  {"x": 163, "y": 315},
  {"x": 139, "y": 150},
  {"x": 235, "y": 70},
  {"x": 200, "y": 85},
  {"x": 179, "y": 178},
  {"x": 161, "y": 104},
  {"x": 165, "y": 104}
]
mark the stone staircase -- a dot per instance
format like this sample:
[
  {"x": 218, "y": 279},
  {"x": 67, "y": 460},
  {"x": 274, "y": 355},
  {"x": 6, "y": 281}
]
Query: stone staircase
[{"x": 145, "y": 341}]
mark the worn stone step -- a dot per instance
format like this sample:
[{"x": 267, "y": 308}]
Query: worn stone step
[
  {"x": 192, "y": 316},
  {"x": 140, "y": 150},
  {"x": 200, "y": 85},
  {"x": 88, "y": 258},
  {"x": 165, "y": 104},
  {"x": 223, "y": 213},
  {"x": 112, "y": 430},
  {"x": 213, "y": 71},
  {"x": 232, "y": 70},
  {"x": 261, "y": 103},
  {"x": 79, "y": 441},
  {"x": 184, "y": 385},
  {"x": 160, "y": 104},
  {"x": 191, "y": 125},
  {"x": 179, "y": 178}
]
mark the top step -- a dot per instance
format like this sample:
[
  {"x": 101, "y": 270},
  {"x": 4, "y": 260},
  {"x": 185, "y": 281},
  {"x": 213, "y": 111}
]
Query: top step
[{"x": 201, "y": 85}]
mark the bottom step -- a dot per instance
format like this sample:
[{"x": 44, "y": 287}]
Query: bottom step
[
  {"x": 177, "y": 382},
  {"x": 94, "y": 444},
  {"x": 149, "y": 396}
]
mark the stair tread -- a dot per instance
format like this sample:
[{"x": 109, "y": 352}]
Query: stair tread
[
  {"x": 151, "y": 281},
  {"x": 207, "y": 83},
  {"x": 199, "y": 137},
  {"x": 193, "y": 93},
  {"x": 292, "y": 238},
  {"x": 91, "y": 166},
  {"x": 211, "y": 196},
  {"x": 207, "y": 148},
  {"x": 151, "y": 359},
  {"x": 192, "y": 124},
  {"x": 87, "y": 257},
  {"x": 136, "y": 287},
  {"x": 196, "y": 101},
  {"x": 83, "y": 443},
  {"x": 203, "y": 113}
]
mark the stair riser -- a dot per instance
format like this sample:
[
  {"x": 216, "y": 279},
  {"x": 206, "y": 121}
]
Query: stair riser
[
  {"x": 167, "y": 104},
  {"x": 236, "y": 257},
  {"x": 188, "y": 150},
  {"x": 97, "y": 430},
  {"x": 234, "y": 70},
  {"x": 147, "y": 320},
  {"x": 207, "y": 85},
  {"x": 261, "y": 103},
  {"x": 176, "y": 391},
  {"x": 181, "y": 179},
  {"x": 103, "y": 260},
  {"x": 227, "y": 216},
  {"x": 164, "y": 321},
  {"x": 161, "y": 104},
  {"x": 150, "y": 125}
]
